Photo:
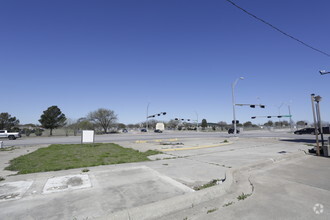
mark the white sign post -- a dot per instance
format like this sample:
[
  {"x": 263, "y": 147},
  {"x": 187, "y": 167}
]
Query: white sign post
[{"x": 87, "y": 136}]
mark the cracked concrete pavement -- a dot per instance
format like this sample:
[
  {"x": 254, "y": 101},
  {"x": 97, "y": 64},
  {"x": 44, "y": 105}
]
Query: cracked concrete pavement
[{"x": 140, "y": 188}]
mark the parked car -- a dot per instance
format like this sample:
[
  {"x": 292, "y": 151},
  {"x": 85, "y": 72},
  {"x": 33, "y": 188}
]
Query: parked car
[
  {"x": 143, "y": 130},
  {"x": 125, "y": 130},
  {"x": 231, "y": 131},
  {"x": 158, "y": 131},
  {"x": 9, "y": 135},
  {"x": 305, "y": 131}
]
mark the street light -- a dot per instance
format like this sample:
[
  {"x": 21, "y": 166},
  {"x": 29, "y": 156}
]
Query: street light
[
  {"x": 147, "y": 116},
  {"x": 315, "y": 125},
  {"x": 233, "y": 99},
  {"x": 323, "y": 72},
  {"x": 318, "y": 114}
]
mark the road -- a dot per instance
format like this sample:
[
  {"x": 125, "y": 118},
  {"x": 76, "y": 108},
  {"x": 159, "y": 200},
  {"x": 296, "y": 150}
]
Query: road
[{"x": 134, "y": 136}]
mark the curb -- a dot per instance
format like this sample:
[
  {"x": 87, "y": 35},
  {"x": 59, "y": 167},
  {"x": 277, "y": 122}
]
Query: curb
[
  {"x": 167, "y": 206},
  {"x": 185, "y": 201}
]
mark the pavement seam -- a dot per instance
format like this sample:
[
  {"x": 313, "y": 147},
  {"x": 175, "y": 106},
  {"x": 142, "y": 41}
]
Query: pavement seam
[
  {"x": 174, "y": 204},
  {"x": 194, "y": 148}
]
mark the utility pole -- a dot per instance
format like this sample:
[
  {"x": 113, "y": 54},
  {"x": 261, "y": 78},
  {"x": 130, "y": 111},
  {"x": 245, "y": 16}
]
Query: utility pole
[
  {"x": 315, "y": 125},
  {"x": 318, "y": 113}
]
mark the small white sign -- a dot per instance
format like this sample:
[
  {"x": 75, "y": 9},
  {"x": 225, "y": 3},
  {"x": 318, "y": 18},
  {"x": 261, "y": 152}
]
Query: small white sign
[{"x": 87, "y": 136}]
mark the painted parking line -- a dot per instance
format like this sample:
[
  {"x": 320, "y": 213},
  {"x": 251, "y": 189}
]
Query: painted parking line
[{"x": 194, "y": 148}]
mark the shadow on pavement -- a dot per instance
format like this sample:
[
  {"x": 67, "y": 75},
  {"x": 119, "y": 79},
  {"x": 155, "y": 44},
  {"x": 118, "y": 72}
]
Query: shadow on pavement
[{"x": 307, "y": 141}]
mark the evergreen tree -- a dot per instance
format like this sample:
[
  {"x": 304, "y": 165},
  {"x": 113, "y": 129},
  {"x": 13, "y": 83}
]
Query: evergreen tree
[{"x": 52, "y": 118}]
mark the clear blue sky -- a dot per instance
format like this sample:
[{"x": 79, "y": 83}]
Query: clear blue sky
[{"x": 181, "y": 56}]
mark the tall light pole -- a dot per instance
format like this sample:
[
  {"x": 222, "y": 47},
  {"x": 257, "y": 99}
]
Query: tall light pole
[
  {"x": 147, "y": 116},
  {"x": 196, "y": 121},
  {"x": 315, "y": 126},
  {"x": 291, "y": 127},
  {"x": 233, "y": 99},
  {"x": 318, "y": 114}
]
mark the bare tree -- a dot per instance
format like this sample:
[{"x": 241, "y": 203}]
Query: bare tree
[{"x": 103, "y": 118}]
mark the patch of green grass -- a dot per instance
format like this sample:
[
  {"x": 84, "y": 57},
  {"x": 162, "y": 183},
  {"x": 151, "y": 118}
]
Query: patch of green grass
[
  {"x": 69, "y": 156},
  {"x": 85, "y": 170},
  {"x": 211, "y": 210},
  {"x": 225, "y": 141},
  {"x": 243, "y": 196},
  {"x": 2, "y": 178},
  {"x": 207, "y": 185}
]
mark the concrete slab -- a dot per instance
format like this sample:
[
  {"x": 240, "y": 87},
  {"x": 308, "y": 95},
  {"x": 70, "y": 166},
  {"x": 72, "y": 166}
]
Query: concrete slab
[
  {"x": 13, "y": 190},
  {"x": 65, "y": 183},
  {"x": 115, "y": 188}
]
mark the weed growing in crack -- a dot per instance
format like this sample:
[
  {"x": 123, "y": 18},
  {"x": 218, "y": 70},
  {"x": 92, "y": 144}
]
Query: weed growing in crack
[
  {"x": 228, "y": 204},
  {"x": 207, "y": 185},
  {"x": 211, "y": 210},
  {"x": 243, "y": 196}
]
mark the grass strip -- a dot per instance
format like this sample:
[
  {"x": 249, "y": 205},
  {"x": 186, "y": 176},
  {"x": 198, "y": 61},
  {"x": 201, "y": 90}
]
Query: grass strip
[{"x": 69, "y": 156}]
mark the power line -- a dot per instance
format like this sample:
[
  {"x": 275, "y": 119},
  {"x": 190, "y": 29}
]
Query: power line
[{"x": 279, "y": 30}]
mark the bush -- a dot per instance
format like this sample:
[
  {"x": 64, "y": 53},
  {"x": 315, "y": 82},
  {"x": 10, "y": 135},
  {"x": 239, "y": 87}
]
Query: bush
[
  {"x": 27, "y": 132},
  {"x": 38, "y": 132}
]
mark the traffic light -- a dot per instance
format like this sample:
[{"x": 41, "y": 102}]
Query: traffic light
[
  {"x": 158, "y": 114},
  {"x": 176, "y": 119},
  {"x": 269, "y": 116},
  {"x": 262, "y": 106},
  {"x": 252, "y": 106},
  {"x": 280, "y": 116},
  {"x": 237, "y": 121},
  {"x": 253, "y": 117},
  {"x": 164, "y": 113}
]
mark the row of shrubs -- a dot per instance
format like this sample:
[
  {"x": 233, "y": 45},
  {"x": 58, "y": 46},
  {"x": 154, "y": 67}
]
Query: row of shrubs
[{"x": 37, "y": 131}]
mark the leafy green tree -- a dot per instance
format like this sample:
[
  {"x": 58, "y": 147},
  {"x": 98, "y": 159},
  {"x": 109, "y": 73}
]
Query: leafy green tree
[
  {"x": 223, "y": 125},
  {"x": 172, "y": 124},
  {"x": 52, "y": 118},
  {"x": 121, "y": 126},
  {"x": 103, "y": 118},
  {"x": 269, "y": 123},
  {"x": 204, "y": 124},
  {"x": 301, "y": 123},
  {"x": 84, "y": 124},
  {"x": 8, "y": 122},
  {"x": 247, "y": 124}
]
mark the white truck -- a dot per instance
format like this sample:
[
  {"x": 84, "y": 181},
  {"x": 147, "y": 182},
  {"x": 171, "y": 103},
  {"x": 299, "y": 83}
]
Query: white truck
[{"x": 9, "y": 135}]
